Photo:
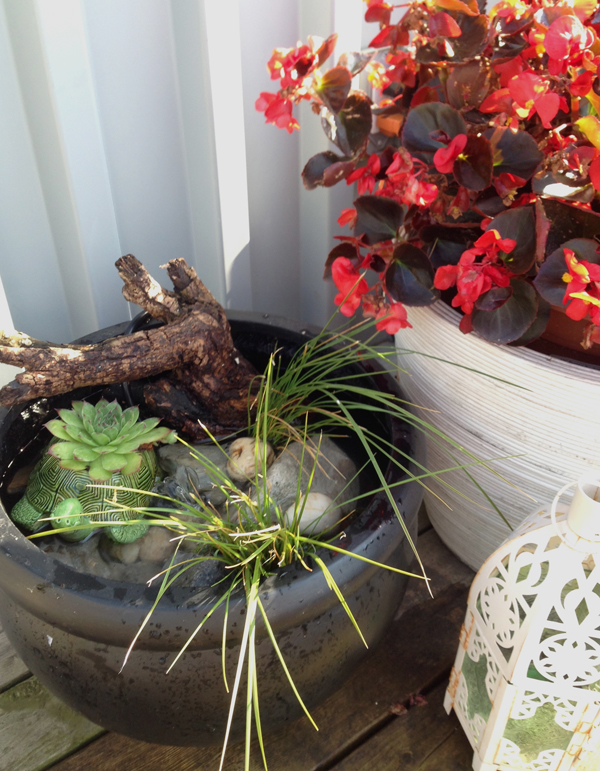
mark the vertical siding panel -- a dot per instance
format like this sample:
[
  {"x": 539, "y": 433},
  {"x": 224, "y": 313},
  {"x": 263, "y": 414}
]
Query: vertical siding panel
[
  {"x": 195, "y": 102},
  {"x": 135, "y": 76},
  {"x": 28, "y": 263},
  {"x": 52, "y": 168},
  {"x": 63, "y": 34},
  {"x": 225, "y": 68},
  {"x": 273, "y": 160}
]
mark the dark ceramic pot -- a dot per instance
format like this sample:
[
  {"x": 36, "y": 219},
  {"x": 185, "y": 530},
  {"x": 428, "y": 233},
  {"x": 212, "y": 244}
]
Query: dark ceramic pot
[{"x": 72, "y": 629}]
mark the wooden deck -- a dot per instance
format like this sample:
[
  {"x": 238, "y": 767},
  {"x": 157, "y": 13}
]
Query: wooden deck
[{"x": 387, "y": 717}]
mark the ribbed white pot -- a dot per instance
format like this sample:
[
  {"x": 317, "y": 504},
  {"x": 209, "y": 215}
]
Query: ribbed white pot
[{"x": 549, "y": 417}]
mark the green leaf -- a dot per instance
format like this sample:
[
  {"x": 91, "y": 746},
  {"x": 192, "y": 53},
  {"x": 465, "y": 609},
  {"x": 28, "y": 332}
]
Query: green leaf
[
  {"x": 63, "y": 450},
  {"x": 101, "y": 439},
  {"x": 57, "y": 428},
  {"x": 85, "y": 453},
  {"x": 474, "y": 171},
  {"x": 134, "y": 461},
  {"x": 98, "y": 472},
  {"x": 334, "y": 88},
  {"x": 518, "y": 224},
  {"x": 409, "y": 278},
  {"x": 425, "y": 121},
  {"x": 549, "y": 282},
  {"x": 336, "y": 590},
  {"x": 378, "y": 218},
  {"x": 114, "y": 461},
  {"x": 70, "y": 418},
  {"x": 74, "y": 465},
  {"x": 88, "y": 412},
  {"x": 512, "y": 319}
]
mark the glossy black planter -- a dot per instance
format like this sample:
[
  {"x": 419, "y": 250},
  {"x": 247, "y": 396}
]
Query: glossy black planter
[{"x": 72, "y": 629}]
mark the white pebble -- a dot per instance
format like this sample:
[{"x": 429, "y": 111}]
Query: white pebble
[
  {"x": 243, "y": 458},
  {"x": 319, "y": 513}
]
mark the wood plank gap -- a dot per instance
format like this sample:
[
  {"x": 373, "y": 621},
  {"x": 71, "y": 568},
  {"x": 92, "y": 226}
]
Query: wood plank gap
[
  {"x": 15, "y": 681},
  {"x": 410, "y": 702},
  {"x": 435, "y": 749}
]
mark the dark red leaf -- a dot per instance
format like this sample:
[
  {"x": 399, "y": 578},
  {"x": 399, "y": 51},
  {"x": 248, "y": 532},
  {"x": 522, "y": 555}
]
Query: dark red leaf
[
  {"x": 394, "y": 36},
  {"x": 443, "y": 25},
  {"x": 475, "y": 171},
  {"x": 379, "y": 12},
  {"x": 342, "y": 250},
  {"x": 378, "y": 219},
  {"x": 314, "y": 171},
  {"x": 424, "y": 95},
  {"x": 335, "y": 87},
  {"x": 468, "y": 84},
  {"x": 326, "y": 49}
]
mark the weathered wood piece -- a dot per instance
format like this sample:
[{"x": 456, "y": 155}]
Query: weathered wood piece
[
  {"x": 37, "y": 729},
  {"x": 194, "y": 346}
]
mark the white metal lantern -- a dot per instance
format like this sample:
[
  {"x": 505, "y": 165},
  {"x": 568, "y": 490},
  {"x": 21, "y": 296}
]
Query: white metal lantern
[{"x": 526, "y": 680}]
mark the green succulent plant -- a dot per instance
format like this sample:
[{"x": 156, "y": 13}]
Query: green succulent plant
[{"x": 104, "y": 438}]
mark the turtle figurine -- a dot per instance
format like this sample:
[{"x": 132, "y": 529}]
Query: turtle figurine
[{"x": 97, "y": 451}]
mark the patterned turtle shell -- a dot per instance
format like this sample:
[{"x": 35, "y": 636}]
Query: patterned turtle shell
[{"x": 50, "y": 484}]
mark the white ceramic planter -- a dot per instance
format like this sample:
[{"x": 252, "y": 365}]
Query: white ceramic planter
[{"x": 549, "y": 416}]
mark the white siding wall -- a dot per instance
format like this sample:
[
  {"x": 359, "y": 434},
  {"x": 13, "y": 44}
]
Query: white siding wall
[{"x": 129, "y": 126}]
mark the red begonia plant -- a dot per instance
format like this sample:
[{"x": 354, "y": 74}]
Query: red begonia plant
[{"x": 489, "y": 186}]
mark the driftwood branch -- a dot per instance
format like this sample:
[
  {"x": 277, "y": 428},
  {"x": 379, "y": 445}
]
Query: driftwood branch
[{"x": 194, "y": 347}]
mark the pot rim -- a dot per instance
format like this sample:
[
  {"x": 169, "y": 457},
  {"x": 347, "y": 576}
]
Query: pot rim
[{"x": 45, "y": 586}]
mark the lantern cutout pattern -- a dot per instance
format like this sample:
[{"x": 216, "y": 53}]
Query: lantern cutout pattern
[{"x": 526, "y": 681}]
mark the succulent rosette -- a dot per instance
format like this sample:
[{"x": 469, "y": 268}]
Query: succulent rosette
[
  {"x": 103, "y": 438},
  {"x": 476, "y": 156}
]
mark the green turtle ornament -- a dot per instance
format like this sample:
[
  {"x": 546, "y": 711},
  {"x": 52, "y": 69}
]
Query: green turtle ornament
[{"x": 97, "y": 451}]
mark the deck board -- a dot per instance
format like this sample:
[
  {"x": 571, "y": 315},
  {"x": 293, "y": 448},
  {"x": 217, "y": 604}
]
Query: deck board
[
  {"x": 37, "y": 729},
  {"x": 12, "y": 669}
]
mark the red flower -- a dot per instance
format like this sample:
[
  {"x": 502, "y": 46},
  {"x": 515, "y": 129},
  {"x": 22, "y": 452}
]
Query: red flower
[
  {"x": 350, "y": 283},
  {"x": 366, "y": 175},
  {"x": 392, "y": 318},
  {"x": 565, "y": 42},
  {"x": 531, "y": 95},
  {"x": 277, "y": 111},
  {"x": 292, "y": 65},
  {"x": 473, "y": 278},
  {"x": 347, "y": 217},
  {"x": 583, "y": 288},
  {"x": 444, "y": 158},
  {"x": 582, "y": 84}
]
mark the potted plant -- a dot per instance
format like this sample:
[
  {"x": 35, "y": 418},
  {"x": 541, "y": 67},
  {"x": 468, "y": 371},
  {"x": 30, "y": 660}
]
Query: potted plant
[
  {"x": 293, "y": 608},
  {"x": 478, "y": 186}
]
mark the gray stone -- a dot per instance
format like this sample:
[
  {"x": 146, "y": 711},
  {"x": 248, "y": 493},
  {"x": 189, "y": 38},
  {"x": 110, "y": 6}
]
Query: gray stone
[
  {"x": 198, "y": 575},
  {"x": 177, "y": 461},
  {"x": 157, "y": 544},
  {"x": 335, "y": 474}
]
